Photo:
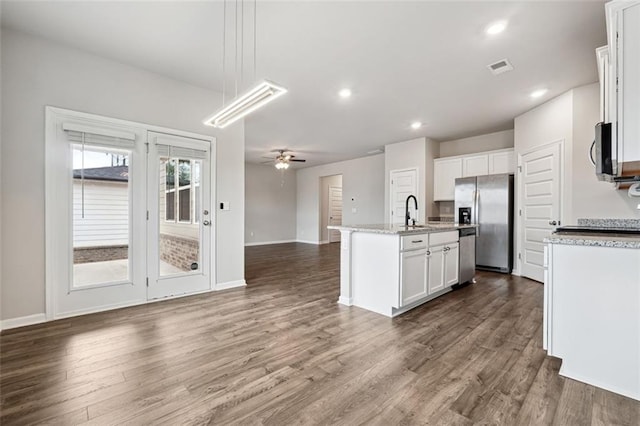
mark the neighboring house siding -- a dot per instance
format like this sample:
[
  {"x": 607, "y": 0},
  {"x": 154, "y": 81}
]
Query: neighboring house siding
[{"x": 106, "y": 214}]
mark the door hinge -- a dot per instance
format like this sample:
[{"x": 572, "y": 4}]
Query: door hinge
[
  {"x": 147, "y": 214},
  {"x": 147, "y": 281},
  {"x": 520, "y": 256},
  {"x": 147, "y": 144},
  {"x": 520, "y": 169},
  {"x": 519, "y": 212}
]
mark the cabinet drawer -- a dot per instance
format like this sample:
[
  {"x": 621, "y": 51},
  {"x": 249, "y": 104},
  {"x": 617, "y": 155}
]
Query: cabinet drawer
[
  {"x": 439, "y": 238},
  {"x": 414, "y": 242}
]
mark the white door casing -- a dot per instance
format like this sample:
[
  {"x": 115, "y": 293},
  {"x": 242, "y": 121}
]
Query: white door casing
[
  {"x": 402, "y": 183},
  {"x": 335, "y": 212},
  {"x": 539, "y": 188},
  {"x": 165, "y": 280}
]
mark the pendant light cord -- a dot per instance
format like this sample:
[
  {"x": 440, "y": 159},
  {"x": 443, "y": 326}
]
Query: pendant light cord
[
  {"x": 241, "y": 43},
  {"x": 255, "y": 38},
  {"x": 236, "y": 41},
  {"x": 82, "y": 176}
]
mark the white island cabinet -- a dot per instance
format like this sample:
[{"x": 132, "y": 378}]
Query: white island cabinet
[
  {"x": 592, "y": 310},
  {"x": 390, "y": 269}
]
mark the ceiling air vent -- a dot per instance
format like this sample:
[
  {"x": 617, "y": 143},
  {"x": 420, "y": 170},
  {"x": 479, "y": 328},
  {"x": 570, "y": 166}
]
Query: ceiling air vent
[{"x": 501, "y": 66}]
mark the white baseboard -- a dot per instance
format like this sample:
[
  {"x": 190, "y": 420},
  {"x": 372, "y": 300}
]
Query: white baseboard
[
  {"x": 23, "y": 321},
  {"x": 309, "y": 242},
  {"x": 633, "y": 394},
  {"x": 345, "y": 301},
  {"x": 264, "y": 243},
  {"x": 230, "y": 284}
]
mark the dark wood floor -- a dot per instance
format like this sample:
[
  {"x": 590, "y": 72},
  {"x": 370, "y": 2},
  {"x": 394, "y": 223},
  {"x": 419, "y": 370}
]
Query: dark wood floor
[{"x": 282, "y": 351}]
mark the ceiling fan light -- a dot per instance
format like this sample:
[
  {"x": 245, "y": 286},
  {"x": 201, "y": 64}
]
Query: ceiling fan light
[{"x": 245, "y": 104}]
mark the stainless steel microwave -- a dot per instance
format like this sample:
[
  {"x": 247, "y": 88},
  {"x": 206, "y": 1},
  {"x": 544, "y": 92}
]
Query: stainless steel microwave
[{"x": 603, "y": 152}]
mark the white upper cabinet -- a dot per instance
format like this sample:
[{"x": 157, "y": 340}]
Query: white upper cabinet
[
  {"x": 502, "y": 162},
  {"x": 447, "y": 170},
  {"x": 445, "y": 173},
  {"x": 623, "y": 104},
  {"x": 475, "y": 165}
]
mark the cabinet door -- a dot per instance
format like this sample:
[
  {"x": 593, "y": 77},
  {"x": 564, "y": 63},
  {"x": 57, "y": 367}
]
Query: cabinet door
[
  {"x": 445, "y": 173},
  {"x": 451, "y": 264},
  {"x": 476, "y": 165},
  {"x": 501, "y": 162},
  {"x": 435, "y": 268},
  {"x": 413, "y": 282}
]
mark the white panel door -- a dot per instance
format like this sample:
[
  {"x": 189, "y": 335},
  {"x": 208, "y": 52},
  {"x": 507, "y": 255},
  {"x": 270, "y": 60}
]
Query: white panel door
[
  {"x": 539, "y": 188},
  {"x": 335, "y": 212},
  {"x": 180, "y": 218},
  {"x": 445, "y": 173},
  {"x": 413, "y": 273},
  {"x": 476, "y": 165},
  {"x": 403, "y": 183},
  {"x": 502, "y": 162}
]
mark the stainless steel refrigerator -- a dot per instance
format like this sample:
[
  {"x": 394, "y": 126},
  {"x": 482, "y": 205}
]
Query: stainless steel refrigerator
[{"x": 488, "y": 202}]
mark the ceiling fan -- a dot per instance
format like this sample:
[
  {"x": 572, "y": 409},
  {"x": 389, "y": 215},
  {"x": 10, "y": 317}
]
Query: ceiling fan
[{"x": 283, "y": 159}]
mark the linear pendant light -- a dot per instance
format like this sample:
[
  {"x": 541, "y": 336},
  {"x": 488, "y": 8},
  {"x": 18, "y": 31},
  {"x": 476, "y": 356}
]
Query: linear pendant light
[
  {"x": 261, "y": 94},
  {"x": 246, "y": 103}
]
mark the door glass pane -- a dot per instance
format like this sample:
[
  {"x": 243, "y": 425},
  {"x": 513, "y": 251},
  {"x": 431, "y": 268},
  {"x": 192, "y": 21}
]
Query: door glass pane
[
  {"x": 101, "y": 211},
  {"x": 179, "y": 245}
]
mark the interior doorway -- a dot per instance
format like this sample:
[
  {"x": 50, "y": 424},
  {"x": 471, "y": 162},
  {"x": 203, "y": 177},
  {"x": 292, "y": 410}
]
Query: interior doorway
[{"x": 330, "y": 207}]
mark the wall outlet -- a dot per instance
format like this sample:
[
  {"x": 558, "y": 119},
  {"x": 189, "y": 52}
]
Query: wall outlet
[{"x": 354, "y": 210}]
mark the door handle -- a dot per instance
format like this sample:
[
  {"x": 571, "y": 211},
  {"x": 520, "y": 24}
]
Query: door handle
[
  {"x": 206, "y": 223},
  {"x": 553, "y": 223}
]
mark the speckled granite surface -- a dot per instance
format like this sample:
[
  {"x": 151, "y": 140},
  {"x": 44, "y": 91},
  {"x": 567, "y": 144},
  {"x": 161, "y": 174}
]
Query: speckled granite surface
[
  {"x": 601, "y": 240},
  {"x": 610, "y": 223},
  {"x": 622, "y": 241},
  {"x": 401, "y": 229}
]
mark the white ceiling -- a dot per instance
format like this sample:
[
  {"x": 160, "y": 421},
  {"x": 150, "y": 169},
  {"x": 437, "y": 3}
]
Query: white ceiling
[{"x": 404, "y": 61}]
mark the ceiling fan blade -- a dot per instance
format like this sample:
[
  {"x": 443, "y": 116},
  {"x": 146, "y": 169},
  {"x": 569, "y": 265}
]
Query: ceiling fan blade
[
  {"x": 266, "y": 162},
  {"x": 271, "y": 158},
  {"x": 299, "y": 161}
]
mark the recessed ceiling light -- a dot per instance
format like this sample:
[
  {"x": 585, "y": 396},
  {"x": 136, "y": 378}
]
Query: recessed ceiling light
[
  {"x": 538, "y": 93},
  {"x": 496, "y": 27},
  {"x": 345, "y": 93},
  {"x": 416, "y": 125}
]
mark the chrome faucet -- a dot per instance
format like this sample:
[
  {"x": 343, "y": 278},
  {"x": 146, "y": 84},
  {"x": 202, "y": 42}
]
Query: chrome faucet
[{"x": 406, "y": 209}]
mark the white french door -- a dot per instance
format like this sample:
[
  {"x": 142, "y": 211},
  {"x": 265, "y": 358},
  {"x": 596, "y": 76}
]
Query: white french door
[
  {"x": 180, "y": 219},
  {"x": 539, "y": 188}
]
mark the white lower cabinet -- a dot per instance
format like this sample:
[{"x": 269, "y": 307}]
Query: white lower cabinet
[
  {"x": 435, "y": 262},
  {"x": 427, "y": 271},
  {"x": 451, "y": 264},
  {"x": 413, "y": 272}
]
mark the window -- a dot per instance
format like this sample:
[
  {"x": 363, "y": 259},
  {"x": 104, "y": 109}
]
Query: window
[{"x": 182, "y": 190}]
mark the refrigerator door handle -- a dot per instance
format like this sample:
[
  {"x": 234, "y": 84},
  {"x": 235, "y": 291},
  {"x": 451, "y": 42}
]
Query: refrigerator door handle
[{"x": 476, "y": 205}]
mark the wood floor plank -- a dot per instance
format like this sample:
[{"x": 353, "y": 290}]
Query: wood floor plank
[{"x": 282, "y": 351}]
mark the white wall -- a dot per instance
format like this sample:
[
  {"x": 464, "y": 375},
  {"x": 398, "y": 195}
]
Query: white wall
[
  {"x": 591, "y": 198},
  {"x": 270, "y": 204},
  {"x": 325, "y": 183},
  {"x": 362, "y": 189},
  {"x": 37, "y": 73},
  {"x": 487, "y": 142}
]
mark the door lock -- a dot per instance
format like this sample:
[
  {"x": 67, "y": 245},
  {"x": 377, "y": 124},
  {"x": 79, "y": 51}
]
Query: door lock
[
  {"x": 206, "y": 223},
  {"x": 206, "y": 212},
  {"x": 553, "y": 223}
]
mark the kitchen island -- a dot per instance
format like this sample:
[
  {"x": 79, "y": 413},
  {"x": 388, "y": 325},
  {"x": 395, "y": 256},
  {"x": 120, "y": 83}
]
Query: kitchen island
[
  {"x": 592, "y": 303},
  {"x": 390, "y": 269}
]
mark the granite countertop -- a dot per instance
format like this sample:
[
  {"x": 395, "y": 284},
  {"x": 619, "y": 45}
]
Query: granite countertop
[
  {"x": 600, "y": 240},
  {"x": 403, "y": 230}
]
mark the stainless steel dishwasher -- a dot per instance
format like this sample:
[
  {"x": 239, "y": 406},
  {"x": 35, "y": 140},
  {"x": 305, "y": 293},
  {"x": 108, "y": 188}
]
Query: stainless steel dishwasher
[{"x": 467, "y": 252}]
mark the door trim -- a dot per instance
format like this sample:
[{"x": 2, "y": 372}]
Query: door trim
[
  {"x": 519, "y": 243},
  {"x": 330, "y": 240},
  {"x": 55, "y": 113}
]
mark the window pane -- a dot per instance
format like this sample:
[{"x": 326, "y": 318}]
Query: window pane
[
  {"x": 185, "y": 205},
  {"x": 167, "y": 185},
  {"x": 101, "y": 209},
  {"x": 185, "y": 172},
  {"x": 170, "y": 213}
]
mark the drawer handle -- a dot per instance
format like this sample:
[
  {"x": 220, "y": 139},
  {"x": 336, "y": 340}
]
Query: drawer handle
[{"x": 416, "y": 241}]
